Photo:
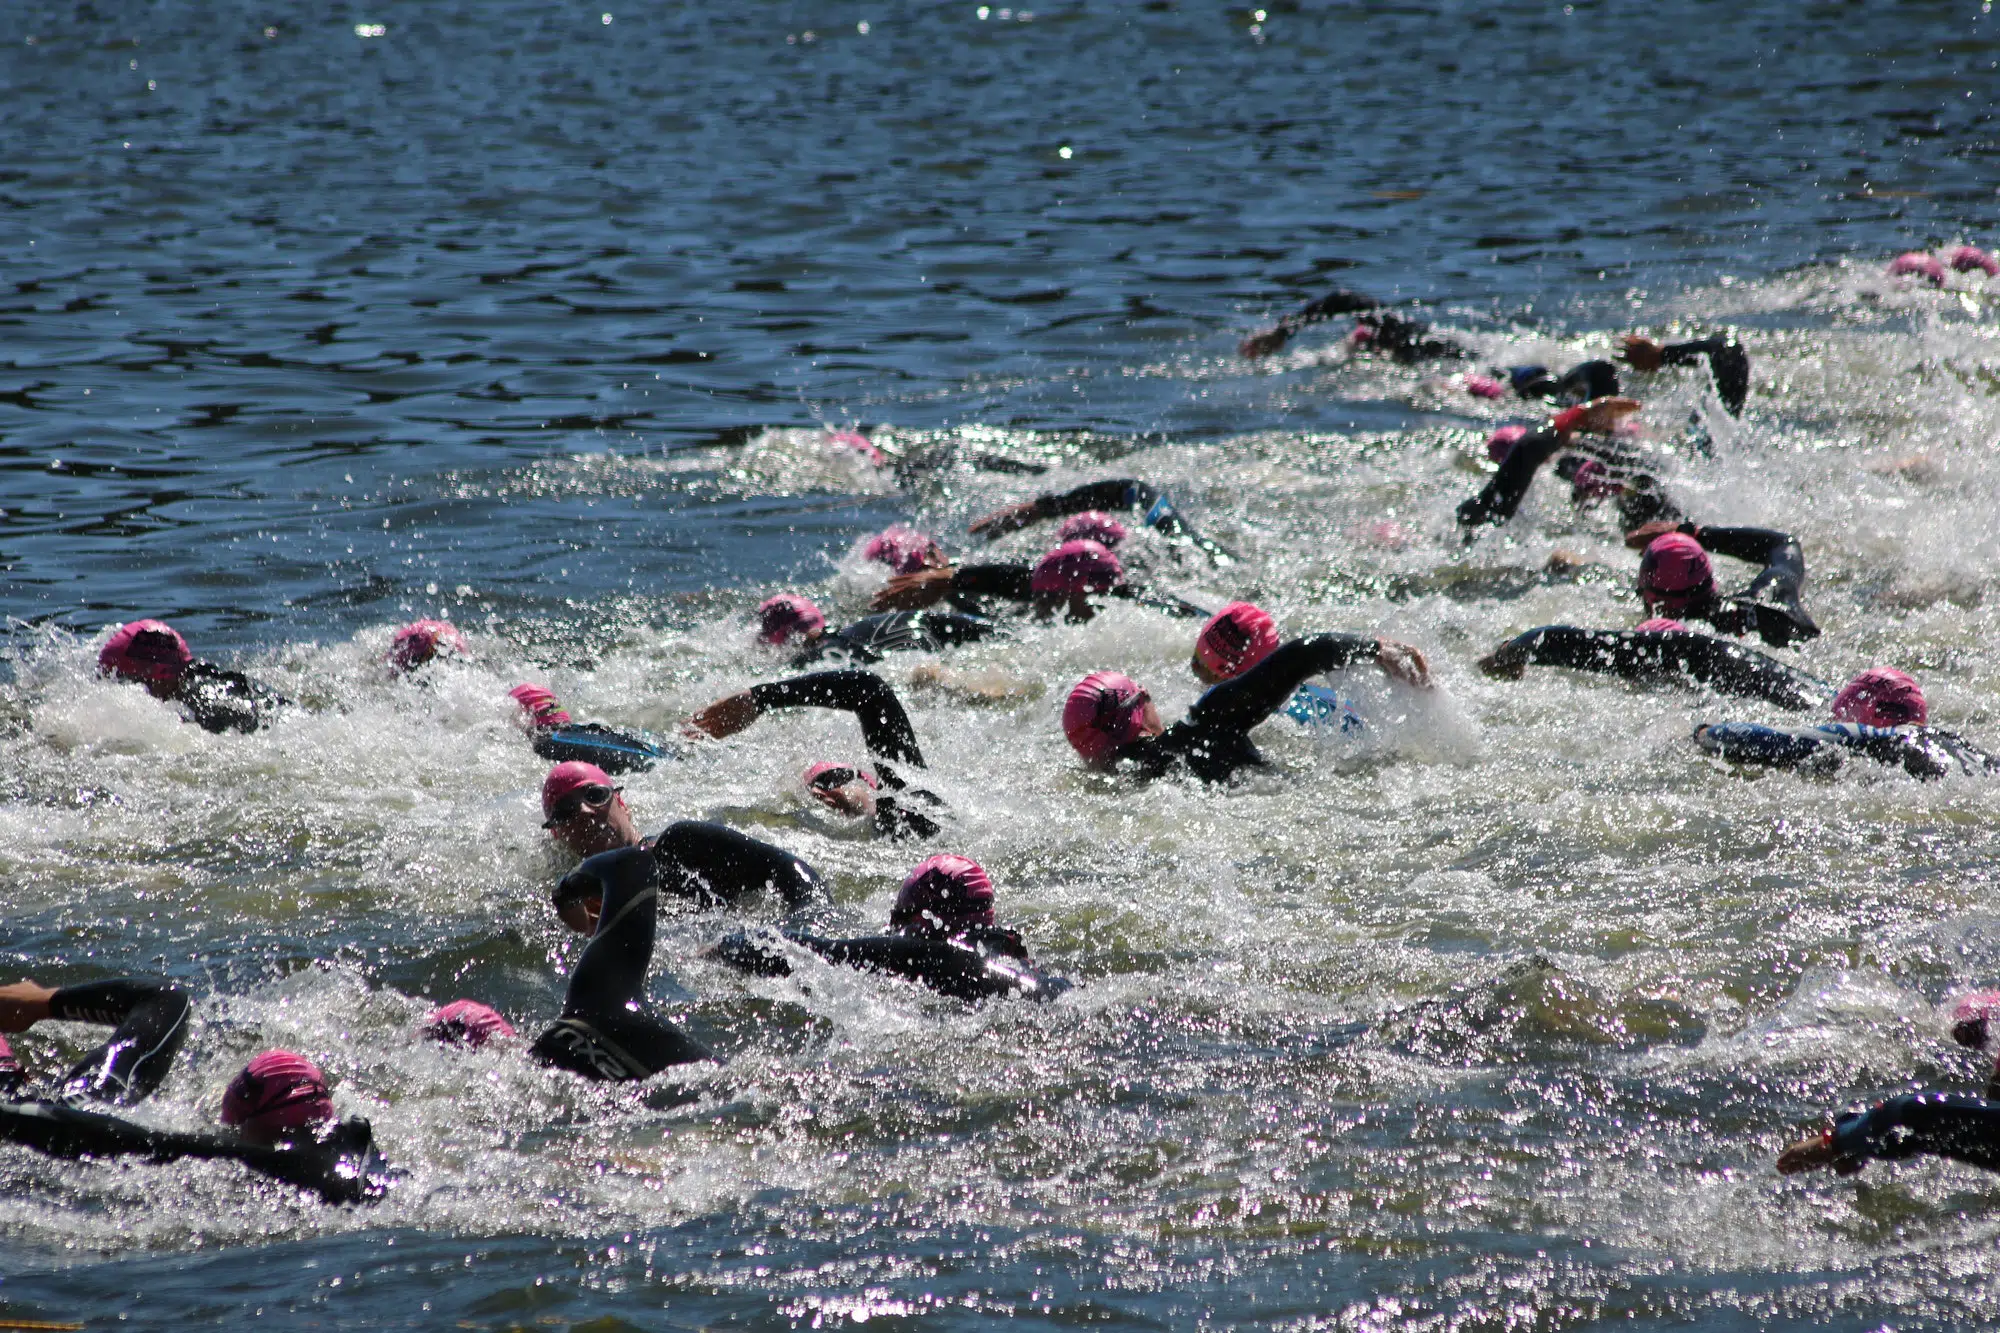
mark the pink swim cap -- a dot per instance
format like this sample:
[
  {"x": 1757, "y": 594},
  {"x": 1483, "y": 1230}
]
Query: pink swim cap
[
  {"x": 1971, "y": 1017},
  {"x": 145, "y": 650},
  {"x": 567, "y": 777},
  {"x": 1917, "y": 262},
  {"x": 903, "y": 549},
  {"x": 1674, "y": 564},
  {"x": 540, "y": 704},
  {"x": 831, "y": 773},
  {"x": 277, "y": 1092},
  {"x": 1592, "y": 481},
  {"x": 1361, "y": 334},
  {"x": 1881, "y": 697},
  {"x": 786, "y": 617},
  {"x": 422, "y": 640},
  {"x": 1096, "y": 526},
  {"x": 943, "y": 896},
  {"x": 1484, "y": 386},
  {"x": 1078, "y": 566},
  {"x": 466, "y": 1023},
  {"x": 854, "y": 441},
  {"x": 1502, "y": 441},
  {"x": 1236, "y": 638},
  {"x": 1969, "y": 257},
  {"x": 1659, "y": 625},
  {"x": 1104, "y": 711}
]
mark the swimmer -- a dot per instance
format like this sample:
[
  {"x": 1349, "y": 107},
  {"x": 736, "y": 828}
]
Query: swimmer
[
  {"x": 1881, "y": 714},
  {"x": 1937, "y": 1124},
  {"x": 1130, "y": 494},
  {"x": 466, "y": 1023},
  {"x": 1660, "y": 651},
  {"x": 424, "y": 641},
  {"x": 1110, "y": 720},
  {"x": 608, "y": 1030},
  {"x": 1972, "y": 1028},
  {"x": 1376, "y": 329},
  {"x": 705, "y": 864},
  {"x": 284, "y": 1121},
  {"x": 850, "y": 790},
  {"x": 1241, "y": 635},
  {"x": 1728, "y": 363},
  {"x": 885, "y": 731},
  {"x": 1677, "y": 580},
  {"x": 1065, "y": 580},
  {"x": 155, "y": 655},
  {"x": 789, "y": 618},
  {"x": 941, "y": 933},
  {"x": 904, "y": 550},
  {"x": 1595, "y": 469},
  {"x": 558, "y": 738}
]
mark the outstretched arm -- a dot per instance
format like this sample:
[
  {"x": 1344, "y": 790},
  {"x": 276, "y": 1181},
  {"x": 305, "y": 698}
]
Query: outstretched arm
[
  {"x": 1503, "y": 494},
  {"x": 1938, "y": 1124},
  {"x": 611, "y": 975},
  {"x": 710, "y": 863},
  {"x": 1241, "y": 703},
  {"x": 885, "y": 726},
  {"x": 1115, "y": 493},
  {"x": 1728, "y": 363},
  {"x": 151, "y": 1021},
  {"x": 1702, "y": 658},
  {"x": 1334, "y": 304}
]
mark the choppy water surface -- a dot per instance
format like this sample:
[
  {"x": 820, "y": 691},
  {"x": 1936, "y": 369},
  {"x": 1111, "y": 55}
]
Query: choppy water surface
[{"x": 534, "y": 317}]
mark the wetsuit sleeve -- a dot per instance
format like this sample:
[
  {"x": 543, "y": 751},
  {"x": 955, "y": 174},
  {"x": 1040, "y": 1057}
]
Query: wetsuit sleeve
[
  {"x": 1777, "y": 587},
  {"x": 948, "y": 967},
  {"x": 713, "y": 864},
  {"x": 611, "y": 975},
  {"x": 1241, "y": 703},
  {"x": 1703, "y": 658},
  {"x": 1117, "y": 493},
  {"x": 1340, "y": 301},
  {"x": 1504, "y": 492},
  {"x": 1938, "y": 1124},
  {"x": 1177, "y": 607},
  {"x": 220, "y": 701},
  {"x": 885, "y": 726},
  {"x": 1014, "y": 582},
  {"x": 151, "y": 1022},
  {"x": 1786, "y": 747},
  {"x": 894, "y": 819},
  {"x": 1728, "y": 365}
]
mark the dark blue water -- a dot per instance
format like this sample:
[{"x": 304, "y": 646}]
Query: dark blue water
[{"x": 514, "y": 314}]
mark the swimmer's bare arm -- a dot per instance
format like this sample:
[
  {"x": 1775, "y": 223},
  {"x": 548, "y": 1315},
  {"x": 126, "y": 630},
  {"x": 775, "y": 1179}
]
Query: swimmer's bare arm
[
  {"x": 1810, "y": 1154},
  {"x": 913, "y": 592},
  {"x": 724, "y": 717},
  {"x": 24, "y": 1004},
  {"x": 1404, "y": 662}
]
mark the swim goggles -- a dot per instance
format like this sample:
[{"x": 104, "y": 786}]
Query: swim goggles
[{"x": 596, "y": 796}]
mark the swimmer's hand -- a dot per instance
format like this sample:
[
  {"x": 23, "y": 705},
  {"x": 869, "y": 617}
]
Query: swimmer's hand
[
  {"x": 724, "y": 717},
  {"x": 1639, "y": 538},
  {"x": 1596, "y": 417},
  {"x": 1263, "y": 344},
  {"x": 1404, "y": 662},
  {"x": 1005, "y": 520},
  {"x": 913, "y": 592},
  {"x": 852, "y": 799},
  {"x": 1813, "y": 1153},
  {"x": 1642, "y": 353},
  {"x": 23, "y": 1004},
  {"x": 1507, "y": 662}
]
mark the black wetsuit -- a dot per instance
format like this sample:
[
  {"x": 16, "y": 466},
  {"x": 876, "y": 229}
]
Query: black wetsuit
[
  {"x": 1640, "y": 499},
  {"x": 1213, "y": 740},
  {"x": 1579, "y": 384},
  {"x": 594, "y": 743},
  {"x": 885, "y": 730},
  {"x": 218, "y": 700},
  {"x": 1923, "y": 752},
  {"x": 608, "y": 1030},
  {"x": 1406, "y": 340},
  {"x": 1728, "y": 366},
  {"x": 974, "y": 964},
  {"x": 1673, "y": 656},
  {"x": 149, "y": 1021},
  {"x": 340, "y": 1164},
  {"x": 868, "y": 639},
  {"x": 714, "y": 866},
  {"x": 1770, "y": 606},
  {"x": 1015, "y": 583},
  {"x": 1152, "y": 504},
  {"x": 1938, "y": 1124}
]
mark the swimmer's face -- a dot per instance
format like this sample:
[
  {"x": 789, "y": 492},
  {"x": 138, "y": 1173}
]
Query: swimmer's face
[
  {"x": 590, "y": 829},
  {"x": 1202, "y": 673},
  {"x": 1149, "y": 719}
]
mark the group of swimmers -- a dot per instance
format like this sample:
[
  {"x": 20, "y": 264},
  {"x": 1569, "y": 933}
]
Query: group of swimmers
[{"x": 942, "y": 933}]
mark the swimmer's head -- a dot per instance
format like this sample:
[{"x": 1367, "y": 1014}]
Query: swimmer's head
[
  {"x": 1236, "y": 638},
  {"x": 1674, "y": 573},
  {"x": 1484, "y": 386},
  {"x": 149, "y": 651},
  {"x": 1591, "y": 480},
  {"x": 583, "y": 811},
  {"x": 828, "y": 774},
  {"x": 904, "y": 550},
  {"x": 1094, "y": 526},
  {"x": 1917, "y": 263},
  {"x": 540, "y": 705},
  {"x": 1660, "y": 625},
  {"x": 1502, "y": 441},
  {"x": 1361, "y": 334},
  {"x": 466, "y": 1023},
  {"x": 1972, "y": 1016},
  {"x": 846, "y": 788},
  {"x": 1881, "y": 697},
  {"x": 1966, "y": 258},
  {"x": 943, "y": 896},
  {"x": 1072, "y": 573},
  {"x": 278, "y": 1093},
  {"x": 786, "y": 617},
  {"x": 421, "y": 641},
  {"x": 854, "y": 442},
  {"x": 1105, "y": 711}
]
